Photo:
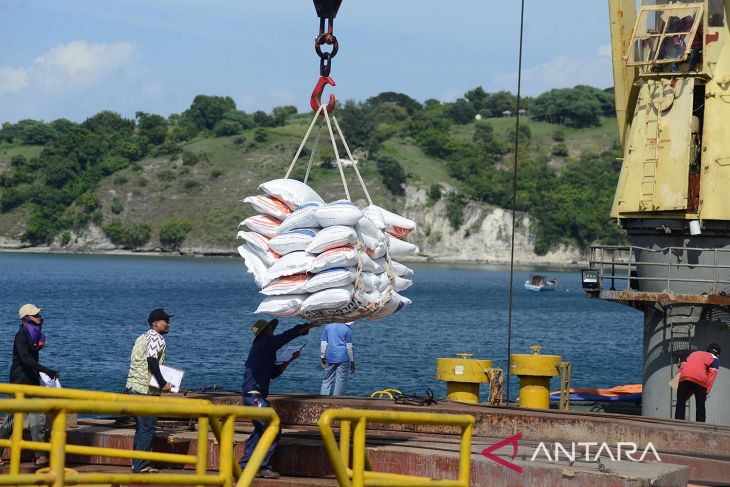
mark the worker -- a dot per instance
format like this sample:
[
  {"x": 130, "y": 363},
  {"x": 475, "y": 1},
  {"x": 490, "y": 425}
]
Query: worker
[
  {"x": 337, "y": 357},
  {"x": 696, "y": 376},
  {"x": 260, "y": 368}
]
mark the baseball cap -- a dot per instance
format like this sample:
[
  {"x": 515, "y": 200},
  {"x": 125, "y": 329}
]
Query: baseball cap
[
  {"x": 260, "y": 325},
  {"x": 29, "y": 310},
  {"x": 158, "y": 314},
  {"x": 714, "y": 348}
]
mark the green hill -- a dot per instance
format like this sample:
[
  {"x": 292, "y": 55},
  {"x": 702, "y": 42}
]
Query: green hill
[{"x": 178, "y": 181}]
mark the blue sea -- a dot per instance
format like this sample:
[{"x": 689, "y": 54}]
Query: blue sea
[{"x": 95, "y": 307}]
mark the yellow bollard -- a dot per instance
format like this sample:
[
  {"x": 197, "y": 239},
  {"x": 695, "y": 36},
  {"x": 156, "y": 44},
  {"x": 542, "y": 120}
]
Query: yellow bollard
[
  {"x": 462, "y": 376},
  {"x": 535, "y": 371}
]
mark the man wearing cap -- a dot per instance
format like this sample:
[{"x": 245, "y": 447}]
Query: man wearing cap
[
  {"x": 26, "y": 369},
  {"x": 260, "y": 369},
  {"x": 337, "y": 356},
  {"x": 696, "y": 376},
  {"x": 147, "y": 354}
]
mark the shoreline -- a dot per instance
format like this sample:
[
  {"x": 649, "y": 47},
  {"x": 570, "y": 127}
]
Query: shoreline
[{"x": 221, "y": 253}]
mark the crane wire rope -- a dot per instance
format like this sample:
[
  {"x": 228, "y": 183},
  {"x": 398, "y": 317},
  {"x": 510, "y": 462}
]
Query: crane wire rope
[{"x": 514, "y": 201}]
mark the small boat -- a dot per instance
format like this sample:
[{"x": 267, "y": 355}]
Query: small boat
[{"x": 538, "y": 283}]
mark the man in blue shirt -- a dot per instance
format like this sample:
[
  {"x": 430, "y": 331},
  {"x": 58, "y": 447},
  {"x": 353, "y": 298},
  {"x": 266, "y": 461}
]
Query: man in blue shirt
[
  {"x": 260, "y": 369},
  {"x": 337, "y": 357}
]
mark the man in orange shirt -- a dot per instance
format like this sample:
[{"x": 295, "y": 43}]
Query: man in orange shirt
[{"x": 696, "y": 377}]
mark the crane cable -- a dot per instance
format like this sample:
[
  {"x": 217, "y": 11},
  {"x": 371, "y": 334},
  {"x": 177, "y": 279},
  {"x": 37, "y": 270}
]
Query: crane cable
[{"x": 514, "y": 201}]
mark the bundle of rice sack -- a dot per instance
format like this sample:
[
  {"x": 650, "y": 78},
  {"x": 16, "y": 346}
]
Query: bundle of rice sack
[{"x": 322, "y": 261}]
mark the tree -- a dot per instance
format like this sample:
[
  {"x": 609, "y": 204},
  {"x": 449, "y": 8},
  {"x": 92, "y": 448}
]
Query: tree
[
  {"x": 579, "y": 107},
  {"x": 152, "y": 128},
  {"x": 477, "y": 98},
  {"x": 399, "y": 99},
  {"x": 206, "y": 111},
  {"x": 483, "y": 133},
  {"x": 263, "y": 119},
  {"x": 173, "y": 233},
  {"x": 282, "y": 114},
  {"x": 106, "y": 122},
  {"x": 462, "y": 112},
  {"x": 394, "y": 177}
]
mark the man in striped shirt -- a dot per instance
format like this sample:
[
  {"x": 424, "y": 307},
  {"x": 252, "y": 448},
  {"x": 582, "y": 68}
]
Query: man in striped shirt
[{"x": 148, "y": 353}]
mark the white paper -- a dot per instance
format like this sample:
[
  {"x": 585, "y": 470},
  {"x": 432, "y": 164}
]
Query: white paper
[
  {"x": 170, "y": 374},
  {"x": 286, "y": 354},
  {"x": 48, "y": 382}
]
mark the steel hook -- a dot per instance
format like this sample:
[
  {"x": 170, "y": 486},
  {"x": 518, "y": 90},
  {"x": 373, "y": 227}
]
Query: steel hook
[{"x": 316, "y": 100}]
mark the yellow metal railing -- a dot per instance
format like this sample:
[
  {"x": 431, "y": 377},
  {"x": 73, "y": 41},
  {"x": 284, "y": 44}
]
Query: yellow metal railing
[
  {"x": 389, "y": 393},
  {"x": 21, "y": 391},
  {"x": 361, "y": 474},
  {"x": 206, "y": 413}
]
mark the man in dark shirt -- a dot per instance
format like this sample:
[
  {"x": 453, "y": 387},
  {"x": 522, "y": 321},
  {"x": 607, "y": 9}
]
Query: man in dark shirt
[
  {"x": 26, "y": 369},
  {"x": 260, "y": 369}
]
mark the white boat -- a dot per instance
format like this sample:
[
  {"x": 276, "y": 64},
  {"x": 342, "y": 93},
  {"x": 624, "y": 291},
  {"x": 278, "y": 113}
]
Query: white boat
[{"x": 538, "y": 283}]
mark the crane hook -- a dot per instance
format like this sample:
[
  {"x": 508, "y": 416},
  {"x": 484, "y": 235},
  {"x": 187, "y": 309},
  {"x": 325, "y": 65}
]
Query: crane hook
[{"x": 316, "y": 100}]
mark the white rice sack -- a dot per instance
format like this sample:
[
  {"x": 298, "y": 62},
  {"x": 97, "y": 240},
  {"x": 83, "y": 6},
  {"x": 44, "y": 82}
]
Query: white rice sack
[
  {"x": 290, "y": 264},
  {"x": 260, "y": 246},
  {"x": 339, "y": 257},
  {"x": 366, "y": 226},
  {"x": 341, "y": 212},
  {"x": 292, "y": 192},
  {"x": 268, "y": 205},
  {"x": 373, "y": 247},
  {"x": 292, "y": 241},
  {"x": 375, "y": 215},
  {"x": 399, "y": 248},
  {"x": 328, "y": 299},
  {"x": 370, "y": 265},
  {"x": 254, "y": 265},
  {"x": 400, "y": 284},
  {"x": 368, "y": 281},
  {"x": 264, "y": 224},
  {"x": 294, "y": 284},
  {"x": 330, "y": 278},
  {"x": 361, "y": 305},
  {"x": 332, "y": 237},
  {"x": 303, "y": 217},
  {"x": 395, "y": 225},
  {"x": 282, "y": 305},
  {"x": 400, "y": 270},
  {"x": 393, "y": 305}
]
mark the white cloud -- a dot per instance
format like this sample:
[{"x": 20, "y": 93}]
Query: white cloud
[
  {"x": 564, "y": 72},
  {"x": 12, "y": 79},
  {"x": 80, "y": 63}
]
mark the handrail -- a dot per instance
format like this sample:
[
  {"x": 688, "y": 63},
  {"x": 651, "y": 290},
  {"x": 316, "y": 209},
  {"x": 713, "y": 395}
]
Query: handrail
[
  {"x": 618, "y": 262},
  {"x": 22, "y": 390},
  {"x": 58, "y": 476},
  {"x": 357, "y": 476}
]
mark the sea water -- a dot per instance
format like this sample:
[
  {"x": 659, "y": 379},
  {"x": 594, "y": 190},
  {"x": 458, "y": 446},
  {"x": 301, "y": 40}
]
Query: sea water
[{"x": 95, "y": 307}]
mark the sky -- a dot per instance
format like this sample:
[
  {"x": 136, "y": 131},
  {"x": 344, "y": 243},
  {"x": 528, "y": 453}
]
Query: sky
[{"x": 73, "y": 58}]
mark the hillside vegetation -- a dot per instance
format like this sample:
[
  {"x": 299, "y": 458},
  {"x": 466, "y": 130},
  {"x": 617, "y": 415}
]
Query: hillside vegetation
[{"x": 177, "y": 181}]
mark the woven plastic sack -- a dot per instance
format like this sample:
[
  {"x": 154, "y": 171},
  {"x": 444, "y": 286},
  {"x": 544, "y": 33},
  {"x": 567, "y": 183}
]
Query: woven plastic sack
[
  {"x": 260, "y": 246},
  {"x": 339, "y": 257},
  {"x": 290, "y": 264},
  {"x": 269, "y": 205},
  {"x": 328, "y": 299},
  {"x": 332, "y": 237},
  {"x": 295, "y": 284},
  {"x": 303, "y": 217},
  {"x": 264, "y": 224},
  {"x": 292, "y": 192},
  {"x": 292, "y": 241},
  {"x": 342, "y": 212},
  {"x": 254, "y": 265},
  {"x": 330, "y": 278},
  {"x": 282, "y": 305}
]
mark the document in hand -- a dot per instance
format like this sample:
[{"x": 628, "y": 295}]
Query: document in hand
[
  {"x": 48, "y": 382},
  {"x": 286, "y": 354},
  {"x": 170, "y": 374}
]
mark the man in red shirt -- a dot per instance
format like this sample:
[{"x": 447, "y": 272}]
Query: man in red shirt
[{"x": 696, "y": 377}]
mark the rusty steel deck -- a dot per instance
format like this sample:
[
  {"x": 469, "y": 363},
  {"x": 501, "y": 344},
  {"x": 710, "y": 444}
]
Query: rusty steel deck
[{"x": 688, "y": 451}]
